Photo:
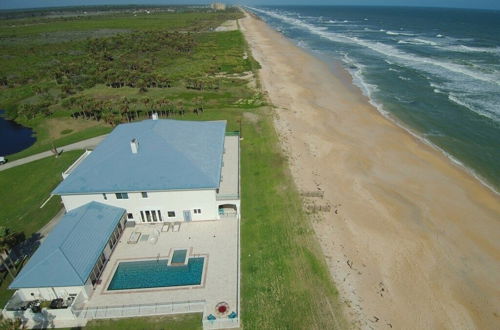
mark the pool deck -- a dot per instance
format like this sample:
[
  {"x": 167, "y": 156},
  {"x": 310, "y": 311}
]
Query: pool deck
[{"x": 215, "y": 240}]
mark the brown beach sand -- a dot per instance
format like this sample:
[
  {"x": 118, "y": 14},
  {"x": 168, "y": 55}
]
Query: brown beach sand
[{"x": 412, "y": 240}]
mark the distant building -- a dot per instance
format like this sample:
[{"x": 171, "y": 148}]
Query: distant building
[{"x": 218, "y": 6}]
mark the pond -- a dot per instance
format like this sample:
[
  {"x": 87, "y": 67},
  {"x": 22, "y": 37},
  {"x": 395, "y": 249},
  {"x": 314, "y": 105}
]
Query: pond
[{"x": 13, "y": 137}]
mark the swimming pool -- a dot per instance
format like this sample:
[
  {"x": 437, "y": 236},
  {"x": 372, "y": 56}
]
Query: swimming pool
[{"x": 156, "y": 274}]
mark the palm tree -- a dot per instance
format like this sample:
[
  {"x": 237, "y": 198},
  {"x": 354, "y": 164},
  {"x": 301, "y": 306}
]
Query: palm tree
[
  {"x": 11, "y": 324},
  {"x": 8, "y": 240},
  {"x": 124, "y": 108}
]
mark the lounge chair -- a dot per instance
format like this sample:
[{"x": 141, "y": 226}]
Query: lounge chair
[
  {"x": 166, "y": 226},
  {"x": 134, "y": 238},
  {"x": 176, "y": 226}
]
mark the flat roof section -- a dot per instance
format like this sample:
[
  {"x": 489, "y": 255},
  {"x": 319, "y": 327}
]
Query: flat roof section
[{"x": 230, "y": 174}]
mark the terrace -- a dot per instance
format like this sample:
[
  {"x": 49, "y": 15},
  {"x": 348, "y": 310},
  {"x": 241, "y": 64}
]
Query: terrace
[
  {"x": 217, "y": 242},
  {"x": 228, "y": 192}
]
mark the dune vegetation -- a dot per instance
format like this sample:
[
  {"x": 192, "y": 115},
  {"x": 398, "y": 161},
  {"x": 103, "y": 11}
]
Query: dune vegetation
[{"x": 82, "y": 75}]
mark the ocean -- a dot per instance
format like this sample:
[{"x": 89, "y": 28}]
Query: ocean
[{"x": 434, "y": 71}]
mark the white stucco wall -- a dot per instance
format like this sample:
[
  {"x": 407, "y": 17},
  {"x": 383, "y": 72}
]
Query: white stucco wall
[{"x": 165, "y": 201}]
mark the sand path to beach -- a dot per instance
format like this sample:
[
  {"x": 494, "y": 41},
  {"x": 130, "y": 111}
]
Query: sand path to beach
[{"x": 412, "y": 240}]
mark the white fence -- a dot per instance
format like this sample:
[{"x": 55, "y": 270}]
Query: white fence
[
  {"x": 226, "y": 197},
  {"x": 106, "y": 312}
]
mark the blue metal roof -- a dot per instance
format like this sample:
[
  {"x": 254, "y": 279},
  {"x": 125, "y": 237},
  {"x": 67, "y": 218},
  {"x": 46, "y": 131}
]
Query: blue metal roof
[
  {"x": 71, "y": 250},
  {"x": 172, "y": 155}
]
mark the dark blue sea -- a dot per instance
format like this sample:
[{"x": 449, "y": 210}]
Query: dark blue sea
[{"x": 434, "y": 71}]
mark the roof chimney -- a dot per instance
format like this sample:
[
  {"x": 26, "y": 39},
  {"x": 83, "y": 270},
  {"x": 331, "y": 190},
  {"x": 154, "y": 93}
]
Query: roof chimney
[
  {"x": 134, "y": 146},
  {"x": 154, "y": 116}
]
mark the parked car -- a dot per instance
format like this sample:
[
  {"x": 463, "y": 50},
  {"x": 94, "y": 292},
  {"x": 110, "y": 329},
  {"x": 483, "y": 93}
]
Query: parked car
[{"x": 3, "y": 160}]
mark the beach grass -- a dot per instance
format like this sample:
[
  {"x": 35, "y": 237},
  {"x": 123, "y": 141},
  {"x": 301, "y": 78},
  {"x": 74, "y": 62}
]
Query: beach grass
[{"x": 285, "y": 281}]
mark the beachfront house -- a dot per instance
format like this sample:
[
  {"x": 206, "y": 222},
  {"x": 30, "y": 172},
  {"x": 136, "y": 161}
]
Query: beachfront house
[
  {"x": 121, "y": 200},
  {"x": 159, "y": 171}
]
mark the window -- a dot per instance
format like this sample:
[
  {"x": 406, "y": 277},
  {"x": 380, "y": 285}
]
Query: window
[
  {"x": 121, "y": 195},
  {"x": 171, "y": 214},
  {"x": 144, "y": 194},
  {"x": 159, "y": 215},
  {"x": 142, "y": 216},
  {"x": 104, "y": 196},
  {"x": 197, "y": 211},
  {"x": 130, "y": 216}
]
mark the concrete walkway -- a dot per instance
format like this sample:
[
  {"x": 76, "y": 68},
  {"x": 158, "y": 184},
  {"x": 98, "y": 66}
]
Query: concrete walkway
[{"x": 84, "y": 144}]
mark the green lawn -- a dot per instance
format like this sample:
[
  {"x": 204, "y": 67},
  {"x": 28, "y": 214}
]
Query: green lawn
[
  {"x": 173, "y": 322},
  {"x": 285, "y": 281},
  {"x": 44, "y": 142},
  {"x": 26, "y": 187}
]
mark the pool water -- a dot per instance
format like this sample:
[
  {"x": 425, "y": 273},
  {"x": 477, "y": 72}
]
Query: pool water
[
  {"x": 179, "y": 257},
  {"x": 156, "y": 274}
]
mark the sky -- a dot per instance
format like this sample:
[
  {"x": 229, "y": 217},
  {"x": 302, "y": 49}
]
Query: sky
[{"x": 480, "y": 4}]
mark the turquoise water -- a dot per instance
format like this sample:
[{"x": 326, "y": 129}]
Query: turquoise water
[
  {"x": 435, "y": 71},
  {"x": 179, "y": 256},
  {"x": 155, "y": 274}
]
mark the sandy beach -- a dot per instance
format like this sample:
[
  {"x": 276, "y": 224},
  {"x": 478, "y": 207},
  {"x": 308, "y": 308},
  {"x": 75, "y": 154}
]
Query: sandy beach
[{"x": 412, "y": 240}]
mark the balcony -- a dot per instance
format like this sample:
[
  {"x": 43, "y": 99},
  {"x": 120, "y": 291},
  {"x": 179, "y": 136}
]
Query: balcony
[{"x": 229, "y": 188}]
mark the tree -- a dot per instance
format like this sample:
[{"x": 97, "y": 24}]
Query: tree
[
  {"x": 141, "y": 84},
  {"x": 11, "y": 324},
  {"x": 8, "y": 240},
  {"x": 27, "y": 110},
  {"x": 124, "y": 108}
]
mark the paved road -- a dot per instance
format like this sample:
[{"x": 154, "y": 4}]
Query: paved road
[{"x": 84, "y": 144}]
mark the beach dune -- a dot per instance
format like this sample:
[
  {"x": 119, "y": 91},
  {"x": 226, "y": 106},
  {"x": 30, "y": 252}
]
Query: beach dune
[{"x": 412, "y": 240}]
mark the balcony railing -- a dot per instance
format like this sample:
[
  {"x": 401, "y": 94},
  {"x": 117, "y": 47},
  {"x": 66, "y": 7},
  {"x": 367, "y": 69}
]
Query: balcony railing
[
  {"x": 106, "y": 312},
  {"x": 225, "y": 197}
]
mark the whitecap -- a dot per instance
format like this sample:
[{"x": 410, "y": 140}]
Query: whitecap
[
  {"x": 470, "y": 49},
  {"x": 418, "y": 62},
  {"x": 392, "y": 33}
]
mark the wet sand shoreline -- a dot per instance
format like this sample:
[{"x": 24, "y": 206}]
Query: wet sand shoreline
[{"x": 412, "y": 241}]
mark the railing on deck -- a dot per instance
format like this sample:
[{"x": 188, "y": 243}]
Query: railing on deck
[
  {"x": 228, "y": 215},
  {"x": 105, "y": 312},
  {"x": 224, "y": 197}
]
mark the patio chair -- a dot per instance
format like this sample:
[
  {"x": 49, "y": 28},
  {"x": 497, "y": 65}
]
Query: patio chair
[
  {"x": 166, "y": 227},
  {"x": 134, "y": 237},
  {"x": 176, "y": 226}
]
